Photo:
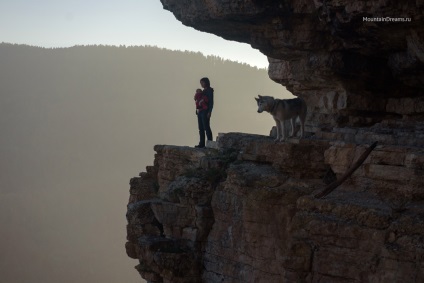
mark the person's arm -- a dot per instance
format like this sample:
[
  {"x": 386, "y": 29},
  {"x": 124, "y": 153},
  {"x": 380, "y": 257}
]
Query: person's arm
[
  {"x": 209, "y": 95},
  {"x": 205, "y": 99}
]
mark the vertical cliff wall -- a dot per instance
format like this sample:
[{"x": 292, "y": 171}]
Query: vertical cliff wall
[{"x": 246, "y": 211}]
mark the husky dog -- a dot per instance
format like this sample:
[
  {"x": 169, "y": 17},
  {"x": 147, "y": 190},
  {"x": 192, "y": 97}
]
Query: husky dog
[{"x": 284, "y": 109}]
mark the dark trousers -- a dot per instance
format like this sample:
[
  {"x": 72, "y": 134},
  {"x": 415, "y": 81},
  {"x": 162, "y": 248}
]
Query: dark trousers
[{"x": 204, "y": 126}]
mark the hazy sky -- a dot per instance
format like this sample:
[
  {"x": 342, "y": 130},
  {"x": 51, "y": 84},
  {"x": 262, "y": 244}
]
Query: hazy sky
[{"x": 53, "y": 23}]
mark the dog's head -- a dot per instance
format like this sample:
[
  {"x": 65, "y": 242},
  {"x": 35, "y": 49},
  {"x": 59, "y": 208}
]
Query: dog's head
[{"x": 264, "y": 103}]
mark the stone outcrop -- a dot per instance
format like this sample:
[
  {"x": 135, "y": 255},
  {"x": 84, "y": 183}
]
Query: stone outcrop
[
  {"x": 245, "y": 212},
  {"x": 356, "y": 63}
]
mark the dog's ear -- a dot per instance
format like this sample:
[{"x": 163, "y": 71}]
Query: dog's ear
[
  {"x": 257, "y": 99},
  {"x": 260, "y": 96}
]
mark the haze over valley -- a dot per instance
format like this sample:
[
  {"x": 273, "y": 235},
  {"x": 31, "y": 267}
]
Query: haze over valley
[{"x": 76, "y": 124}]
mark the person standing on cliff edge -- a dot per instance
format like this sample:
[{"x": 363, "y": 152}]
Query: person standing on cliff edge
[{"x": 204, "y": 115}]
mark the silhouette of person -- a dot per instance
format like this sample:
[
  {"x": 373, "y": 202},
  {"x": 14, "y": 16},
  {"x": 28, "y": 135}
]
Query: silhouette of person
[{"x": 204, "y": 115}]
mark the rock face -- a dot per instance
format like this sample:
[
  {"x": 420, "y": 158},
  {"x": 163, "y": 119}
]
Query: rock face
[
  {"x": 354, "y": 62},
  {"x": 245, "y": 212}
]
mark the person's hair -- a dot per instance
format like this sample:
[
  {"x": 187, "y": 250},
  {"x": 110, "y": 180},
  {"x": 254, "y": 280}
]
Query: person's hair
[
  {"x": 198, "y": 90},
  {"x": 206, "y": 81}
]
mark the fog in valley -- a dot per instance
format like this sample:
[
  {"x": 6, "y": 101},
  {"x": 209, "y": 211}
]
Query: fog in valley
[{"x": 76, "y": 124}]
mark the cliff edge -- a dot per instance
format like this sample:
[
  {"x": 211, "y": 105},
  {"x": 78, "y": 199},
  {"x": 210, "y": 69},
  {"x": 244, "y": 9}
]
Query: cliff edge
[{"x": 245, "y": 211}]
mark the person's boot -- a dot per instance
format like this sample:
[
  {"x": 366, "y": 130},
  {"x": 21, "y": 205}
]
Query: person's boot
[{"x": 202, "y": 140}]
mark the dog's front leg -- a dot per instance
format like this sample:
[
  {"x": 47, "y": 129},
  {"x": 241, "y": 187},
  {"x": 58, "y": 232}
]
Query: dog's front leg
[
  {"x": 277, "y": 125},
  {"x": 293, "y": 125},
  {"x": 283, "y": 131}
]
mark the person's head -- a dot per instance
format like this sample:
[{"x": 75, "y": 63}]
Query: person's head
[
  {"x": 204, "y": 82},
  {"x": 198, "y": 90}
]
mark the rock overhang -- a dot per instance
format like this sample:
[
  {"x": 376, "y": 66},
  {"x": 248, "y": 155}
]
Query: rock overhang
[{"x": 366, "y": 52}]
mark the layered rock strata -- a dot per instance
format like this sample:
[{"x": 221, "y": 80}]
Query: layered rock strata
[{"x": 245, "y": 212}]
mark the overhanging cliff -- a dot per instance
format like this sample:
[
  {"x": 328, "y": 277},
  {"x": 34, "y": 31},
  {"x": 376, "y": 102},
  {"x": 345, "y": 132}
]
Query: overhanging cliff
[
  {"x": 246, "y": 212},
  {"x": 354, "y": 62}
]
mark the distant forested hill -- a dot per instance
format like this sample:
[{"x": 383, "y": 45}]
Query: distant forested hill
[{"x": 76, "y": 124}]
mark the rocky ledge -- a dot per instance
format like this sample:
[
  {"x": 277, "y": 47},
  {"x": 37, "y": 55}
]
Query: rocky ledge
[{"x": 246, "y": 211}]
